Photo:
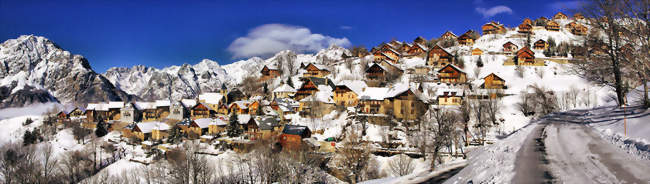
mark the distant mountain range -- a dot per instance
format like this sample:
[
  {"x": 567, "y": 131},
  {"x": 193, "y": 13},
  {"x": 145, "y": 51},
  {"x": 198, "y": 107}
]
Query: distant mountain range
[{"x": 34, "y": 69}]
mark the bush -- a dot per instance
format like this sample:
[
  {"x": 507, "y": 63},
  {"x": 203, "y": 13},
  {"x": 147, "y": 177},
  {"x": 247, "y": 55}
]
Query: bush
[{"x": 32, "y": 137}]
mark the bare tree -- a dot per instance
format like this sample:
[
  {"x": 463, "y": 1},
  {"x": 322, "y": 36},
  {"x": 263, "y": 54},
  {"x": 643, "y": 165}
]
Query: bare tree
[
  {"x": 353, "y": 157},
  {"x": 480, "y": 120},
  {"x": 443, "y": 122},
  {"x": 48, "y": 163},
  {"x": 401, "y": 165},
  {"x": 604, "y": 17}
]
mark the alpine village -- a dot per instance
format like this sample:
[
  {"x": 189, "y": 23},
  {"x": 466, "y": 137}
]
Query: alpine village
[{"x": 340, "y": 116}]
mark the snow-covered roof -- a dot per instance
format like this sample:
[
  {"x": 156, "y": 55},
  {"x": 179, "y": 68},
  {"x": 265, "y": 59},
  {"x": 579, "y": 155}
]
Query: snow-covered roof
[
  {"x": 188, "y": 102},
  {"x": 324, "y": 94},
  {"x": 211, "y": 98},
  {"x": 397, "y": 89},
  {"x": 449, "y": 92},
  {"x": 147, "y": 127},
  {"x": 373, "y": 93},
  {"x": 162, "y": 103},
  {"x": 145, "y": 105},
  {"x": 453, "y": 66},
  {"x": 203, "y": 122},
  {"x": 243, "y": 118},
  {"x": 242, "y": 104},
  {"x": 284, "y": 88},
  {"x": 115, "y": 104},
  {"x": 355, "y": 85},
  {"x": 219, "y": 122}
]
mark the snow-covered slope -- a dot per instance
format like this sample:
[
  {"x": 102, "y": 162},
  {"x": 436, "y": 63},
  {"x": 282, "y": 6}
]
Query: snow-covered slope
[{"x": 34, "y": 69}]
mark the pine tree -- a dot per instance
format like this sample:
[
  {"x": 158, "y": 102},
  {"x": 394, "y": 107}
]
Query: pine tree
[
  {"x": 479, "y": 63},
  {"x": 290, "y": 82},
  {"x": 266, "y": 89},
  {"x": 174, "y": 135},
  {"x": 233, "y": 129},
  {"x": 101, "y": 130}
]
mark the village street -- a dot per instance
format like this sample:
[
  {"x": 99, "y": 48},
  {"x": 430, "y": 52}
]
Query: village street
[{"x": 572, "y": 152}]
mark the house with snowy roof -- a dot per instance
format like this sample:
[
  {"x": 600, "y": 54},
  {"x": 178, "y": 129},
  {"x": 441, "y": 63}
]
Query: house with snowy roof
[
  {"x": 162, "y": 108},
  {"x": 177, "y": 111},
  {"x": 269, "y": 72},
  {"x": 201, "y": 110},
  {"x": 405, "y": 47},
  {"x": 199, "y": 127},
  {"x": 316, "y": 70},
  {"x": 283, "y": 91},
  {"x": 439, "y": 57},
  {"x": 386, "y": 52},
  {"x": 406, "y": 102},
  {"x": 420, "y": 40},
  {"x": 151, "y": 130},
  {"x": 239, "y": 107},
  {"x": 509, "y": 47},
  {"x": 493, "y": 28},
  {"x": 372, "y": 100},
  {"x": 130, "y": 113},
  {"x": 552, "y": 26},
  {"x": 317, "y": 104},
  {"x": 467, "y": 38},
  {"x": 525, "y": 28},
  {"x": 218, "y": 125},
  {"x": 375, "y": 72},
  {"x": 347, "y": 92},
  {"x": 394, "y": 44},
  {"x": 269, "y": 126},
  {"x": 148, "y": 111},
  {"x": 292, "y": 135},
  {"x": 448, "y": 35},
  {"x": 577, "y": 28},
  {"x": 417, "y": 50},
  {"x": 311, "y": 85},
  {"x": 71, "y": 113},
  {"x": 477, "y": 52},
  {"x": 559, "y": 15},
  {"x": 525, "y": 56},
  {"x": 212, "y": 99},
  {"x": 493, "y": 81},
  {"x": 449, "y": 97},
  {"x": 452, "y": 74}
]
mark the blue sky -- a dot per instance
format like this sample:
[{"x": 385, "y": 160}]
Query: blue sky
[{"x": 162, "y": 33}]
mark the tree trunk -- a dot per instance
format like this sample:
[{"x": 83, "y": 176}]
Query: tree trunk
[{"x": 646, "y": 101}]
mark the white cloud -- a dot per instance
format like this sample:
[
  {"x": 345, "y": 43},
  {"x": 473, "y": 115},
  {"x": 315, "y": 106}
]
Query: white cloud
[
  {"x": 268, "y": 39},
  {"x": 345, "y": 27},
  {"x": 487, "y": 13}
]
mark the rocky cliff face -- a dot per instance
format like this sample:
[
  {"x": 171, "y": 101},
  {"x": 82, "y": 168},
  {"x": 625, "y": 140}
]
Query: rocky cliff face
[
  {"x": 34, "y": 69},
  {"x": 175, "y": 82}
]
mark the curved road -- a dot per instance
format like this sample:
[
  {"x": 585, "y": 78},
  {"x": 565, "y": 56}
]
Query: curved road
[{"x": 563, "y": 152}]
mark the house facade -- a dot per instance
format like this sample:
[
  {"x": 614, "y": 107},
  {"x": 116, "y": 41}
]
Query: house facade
[{"x": 452, "y": 74}]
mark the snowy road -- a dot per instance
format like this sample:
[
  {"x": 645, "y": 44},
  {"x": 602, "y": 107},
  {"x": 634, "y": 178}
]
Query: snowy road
[{"x": 575, "y": 153}]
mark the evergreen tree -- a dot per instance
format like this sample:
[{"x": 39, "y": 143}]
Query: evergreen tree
[
  {"x": 290, "y": 82},
  {"x": 175, "y": 135},
  {"x": 479, "y": 63},
  {"x": 101, "y": 129},
  {"x": 528, "y": 40},
  {"x": 266, "y": 89},
  {"x": 233, "y": 128}
]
